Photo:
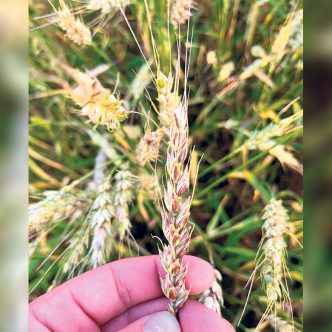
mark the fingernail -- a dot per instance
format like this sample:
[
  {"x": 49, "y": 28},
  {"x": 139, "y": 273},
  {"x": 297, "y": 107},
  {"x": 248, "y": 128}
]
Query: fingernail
[{"x": 162, "y": 322}]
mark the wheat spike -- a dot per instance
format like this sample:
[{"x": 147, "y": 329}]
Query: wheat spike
[
  {"x": 175, "y": 217},
  {"x": 75, "y": 29},
  {"x": 180, "y": 11},
  {"x": 58, "y": 205}
]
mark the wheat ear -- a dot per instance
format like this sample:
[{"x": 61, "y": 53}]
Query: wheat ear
[
  {"x": 175, "y": 217},
  {"x": 274, "y": 249}
]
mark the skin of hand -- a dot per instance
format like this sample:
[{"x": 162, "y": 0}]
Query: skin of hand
[{"x": 125, "y": 296}]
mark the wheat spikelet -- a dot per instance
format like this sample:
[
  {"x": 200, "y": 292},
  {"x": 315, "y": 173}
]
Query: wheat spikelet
[
  {"x": 79, "y": 33},
  {"x": 148, "y": 147},
  {"x": 226, "y": 71},
  {"x": 101, "y": 215},
  {"x": 99, "y": 175},
  {"x": 149, "y": 186},
  {"x": 168, "y": 98},
  {"x": 97, "y": 103},
  {"x": 123, "y": 196},
  {"x": 175, "y": 218},
  {"x": 211, "y": 57},
  {"x": 212, "y": 298},
  {"x": 75, "y": 29},
  {"x": 286, "y": 158},
  {"x": 78, "y": 245},
  {"x": 180, "y": 11}
]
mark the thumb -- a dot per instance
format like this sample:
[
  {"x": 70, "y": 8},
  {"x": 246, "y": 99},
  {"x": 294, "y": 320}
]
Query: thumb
[{"x": 159, "y": 322}]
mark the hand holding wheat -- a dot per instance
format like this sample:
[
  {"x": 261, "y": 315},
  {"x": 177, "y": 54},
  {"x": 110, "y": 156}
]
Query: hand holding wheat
[{"x": 124, "y": 296}]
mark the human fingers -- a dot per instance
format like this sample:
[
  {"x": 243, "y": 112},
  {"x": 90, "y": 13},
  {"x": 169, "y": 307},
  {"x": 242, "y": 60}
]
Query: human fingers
[
  {"x": 135, "y": 313},
  {"x": 195, "y": 317},
  {"x": 157, "y": 322},
  {"x": 104, "y": 293}
]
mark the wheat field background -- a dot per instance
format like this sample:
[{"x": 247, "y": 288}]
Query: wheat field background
[{"x": 245, "y": 129}]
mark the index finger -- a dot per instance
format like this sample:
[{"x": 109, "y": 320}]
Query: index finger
[{"x": 110, "y": 290}]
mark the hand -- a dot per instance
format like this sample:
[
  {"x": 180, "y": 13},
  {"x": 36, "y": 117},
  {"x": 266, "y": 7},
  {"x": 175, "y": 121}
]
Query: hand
[{"x": 125, "y": 296}]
